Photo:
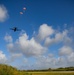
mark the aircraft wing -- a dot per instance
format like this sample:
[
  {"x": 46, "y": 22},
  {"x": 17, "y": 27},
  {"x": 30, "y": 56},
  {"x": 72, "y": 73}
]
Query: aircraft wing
[
  {"x": 18, "y": 29},
  {"x": 12, "y": 28}
]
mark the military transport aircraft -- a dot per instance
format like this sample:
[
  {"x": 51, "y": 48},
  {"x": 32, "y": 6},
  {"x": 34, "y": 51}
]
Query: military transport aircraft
[{"x": 15, "y": 29}]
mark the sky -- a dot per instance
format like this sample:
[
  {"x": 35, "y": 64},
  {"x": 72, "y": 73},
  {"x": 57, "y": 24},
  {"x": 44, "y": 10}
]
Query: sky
[{"x": 46, "y": 36}]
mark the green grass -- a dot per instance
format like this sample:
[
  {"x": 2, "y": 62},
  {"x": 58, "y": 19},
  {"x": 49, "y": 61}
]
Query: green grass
[{"x": 51, "y": 73}]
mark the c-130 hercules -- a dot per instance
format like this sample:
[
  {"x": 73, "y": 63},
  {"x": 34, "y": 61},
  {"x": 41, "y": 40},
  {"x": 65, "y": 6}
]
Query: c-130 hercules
[{"x": 15, "y": 29}]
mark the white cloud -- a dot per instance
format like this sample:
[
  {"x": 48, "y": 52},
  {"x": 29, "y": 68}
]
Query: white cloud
[
  {"x": 26, "y": 47},
  {"x": 49, "y": 41},
  {"x": 61, "y": 62},
  {"x": 58, "y": 37},
  {"x": 71, "y": 57},
  {"x": 3, "y": 13},
  {"x": 13, "y": 57},
  {"x": 45, "y": 62},
  {"x": 45, "y": 31},
  {"x": 42, "y": 62},
  {"x": 10, "y": 47},
  {"x": 65, "y": 50},
  {"x": 8, "y": 38},
  {"x": 2, "y": 57},
  {"x": 49, "y": 61}
]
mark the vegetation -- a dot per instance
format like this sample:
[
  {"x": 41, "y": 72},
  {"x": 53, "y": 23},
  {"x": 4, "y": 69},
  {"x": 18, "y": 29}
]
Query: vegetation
[
  {"x": 50, "y": 73},
  {"x": 57, "y": 69},
  {"x": 9, "y": 70}
]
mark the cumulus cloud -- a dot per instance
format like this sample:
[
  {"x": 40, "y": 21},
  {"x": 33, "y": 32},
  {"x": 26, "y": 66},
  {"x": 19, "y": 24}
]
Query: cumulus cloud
[
  {"x": 45, "y": 31},
  {"x": 14, "y": 57},
  {"x": 26, "y": 46},
  {"x": 8, "y": 38},
  {"x": 3, "y": 13},
  {"x": 58, "y": 37},
  {"x": 65, "y": 50},
  {"x": 71, "y": 57},
  {"x": 45, "y": 62},
  {"x": 2, "y": 57},
  {"x": 49, "y": 61}
]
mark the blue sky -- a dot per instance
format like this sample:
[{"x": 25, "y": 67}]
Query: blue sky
[{"x": 46, "y": 35}]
